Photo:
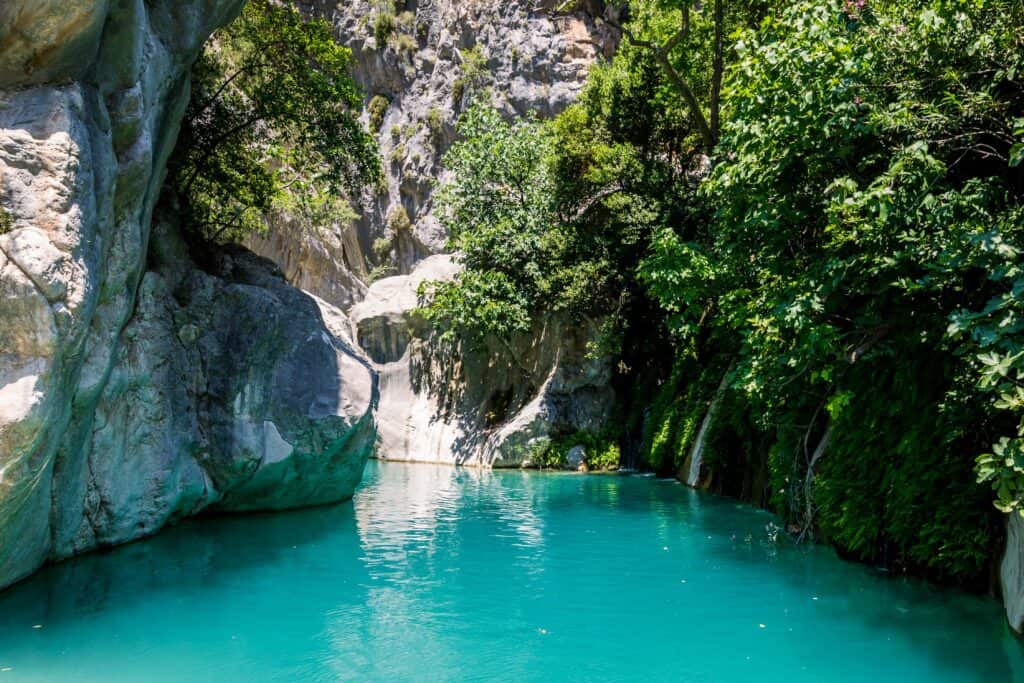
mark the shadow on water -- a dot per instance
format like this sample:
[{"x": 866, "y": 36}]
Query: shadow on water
[
  {"x": 197, "y": 555},
  {"x": 956, "y": 630},
  {"x": 458, "y": 570}
]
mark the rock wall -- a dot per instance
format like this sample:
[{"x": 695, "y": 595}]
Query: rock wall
[
  {"x": 130, "y": 398},
  {"x": 453, "y": 403},
  {"x": 438, "y": 55},
  {"x": 444, "y": 403}
]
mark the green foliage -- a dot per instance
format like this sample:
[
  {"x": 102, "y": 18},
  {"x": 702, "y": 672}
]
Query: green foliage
[
  {"x": 435, "y": 124},
  {"x": 912, "y": 502},
  {"x": 382, "y": 247},
  {"x": 398, "y": 220},
  {"x": 383, "y": 26},
  {"x": 272, "y": 126},
  {"x": 866, "y": 214},
  {"x": 852, "y": 249},
  {"x": 377, "y": 108},
  {"x": 602, "y": 451},
  {"x": 473, "y": 74},
  {"x": 6, "y": 222},
  {"x": 497, "y": 212},
  {"x": 557, "y": 214},
  {"x": 406, "y": 21},
  {"x": 403, "y": 42}
]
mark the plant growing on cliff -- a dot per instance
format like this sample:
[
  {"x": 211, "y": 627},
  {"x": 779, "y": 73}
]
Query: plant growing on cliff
[
  {"x": 376, "y": 109},
  {"x": 383, "y": 26},
  {"x": 473, "y": 74},
  {"x": 273, "y": 123}
]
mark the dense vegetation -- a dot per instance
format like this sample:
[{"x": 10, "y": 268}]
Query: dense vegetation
[
  {"x": 272, "y": 126},
  {"x": 818, "y": 203}
]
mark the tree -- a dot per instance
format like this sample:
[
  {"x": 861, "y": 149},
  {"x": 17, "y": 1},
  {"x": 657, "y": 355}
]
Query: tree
[
  {"x": 866, "y": 234},
  {"x": 498, "y": 211},
  {"x": 692, "y": 52},
  {"x": 272, "y": 123}
]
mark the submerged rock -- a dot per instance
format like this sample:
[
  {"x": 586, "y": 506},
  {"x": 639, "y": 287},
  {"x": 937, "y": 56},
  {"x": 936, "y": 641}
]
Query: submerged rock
[{"x": 129, "y": 398}]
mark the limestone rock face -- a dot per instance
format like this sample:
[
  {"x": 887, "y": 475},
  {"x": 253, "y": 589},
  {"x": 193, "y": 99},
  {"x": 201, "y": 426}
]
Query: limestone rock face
[
  {"x": 130, "y": 398},
  {"x": 533, "y": 57},
  {"x": 325, "y": 259},
  {"x": 1012, "y": 572},
  {"x": 454, "y": 403},
  {"x": 442, "y": 402}
]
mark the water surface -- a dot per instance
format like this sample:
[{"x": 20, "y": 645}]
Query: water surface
[{"x": 440, "y": 574}]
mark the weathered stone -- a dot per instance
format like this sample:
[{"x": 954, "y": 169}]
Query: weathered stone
[
  {"x": 457, "y": 403},
  {"x": 536, "y": 61},
  {"x": 576, "y": 458},
  {"x": 132, "y": 397}
]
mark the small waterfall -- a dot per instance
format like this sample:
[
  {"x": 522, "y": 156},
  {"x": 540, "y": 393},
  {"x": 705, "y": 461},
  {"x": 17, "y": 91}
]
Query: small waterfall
[{"x": 696, "y": 457}]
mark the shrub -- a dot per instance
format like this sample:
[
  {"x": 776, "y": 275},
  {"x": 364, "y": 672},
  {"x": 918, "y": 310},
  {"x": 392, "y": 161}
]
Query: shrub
[
  {"x": 435, "y": 123},
  {"x": 602, "y": 449},
  {"x": 377, "y": 108},
  {"x": 383, "y": 26},
  {"x": 398, "y": 220},
  {"x": 473, "y": 74},
  {"x": 382, "y": 247},
  {"x": 382, "y": 271},
  {"x": 6, "y": 222},
  {"x": 405, "y": 21},
  {"x": 405, "y": 43}
]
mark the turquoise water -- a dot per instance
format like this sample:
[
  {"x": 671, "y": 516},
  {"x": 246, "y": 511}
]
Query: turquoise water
[{"x": 441, "y": 574}]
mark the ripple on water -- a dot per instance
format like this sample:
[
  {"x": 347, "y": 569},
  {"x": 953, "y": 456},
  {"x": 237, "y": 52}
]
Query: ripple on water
[{"x": 441, "y": 574}]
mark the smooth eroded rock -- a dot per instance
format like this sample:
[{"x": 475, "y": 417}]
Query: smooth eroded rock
[{"x": 135, "y": 387}]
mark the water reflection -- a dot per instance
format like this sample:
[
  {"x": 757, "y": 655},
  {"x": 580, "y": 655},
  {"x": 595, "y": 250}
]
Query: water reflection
[{"x": 436, "y": 573}]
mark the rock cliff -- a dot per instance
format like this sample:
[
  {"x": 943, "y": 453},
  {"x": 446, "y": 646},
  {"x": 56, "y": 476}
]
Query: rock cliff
[
  {"x": 131, "y": 397},
  {"x": 420, "y": 62},
  {"x": 490, "y": 406}
]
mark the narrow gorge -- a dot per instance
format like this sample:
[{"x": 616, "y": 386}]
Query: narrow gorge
[{"x": 665, "y": 301}]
